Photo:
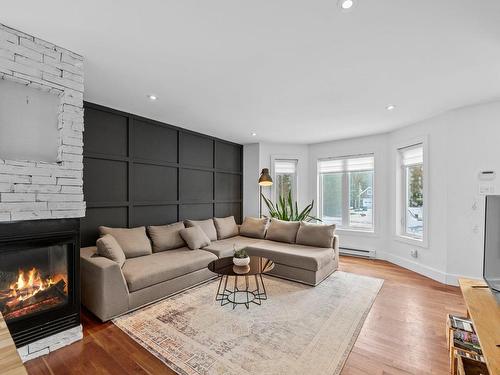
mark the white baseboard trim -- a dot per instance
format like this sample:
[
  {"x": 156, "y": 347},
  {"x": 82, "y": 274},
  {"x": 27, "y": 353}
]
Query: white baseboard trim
[
  {"x": 452, "y": 279},
  {"x": 440, "y": 276},
  {"x": 427, "y": 271}
]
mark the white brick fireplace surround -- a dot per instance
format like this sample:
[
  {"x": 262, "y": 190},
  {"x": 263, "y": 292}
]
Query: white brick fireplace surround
[{"x": 31, "y": 189}]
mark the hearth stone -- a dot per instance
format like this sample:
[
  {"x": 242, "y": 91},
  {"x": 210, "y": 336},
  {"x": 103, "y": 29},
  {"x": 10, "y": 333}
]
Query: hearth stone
[{"x": 49, "y": 344}]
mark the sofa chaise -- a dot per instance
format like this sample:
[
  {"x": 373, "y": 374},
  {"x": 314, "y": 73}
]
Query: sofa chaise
[{"x": 130, "y": 268}]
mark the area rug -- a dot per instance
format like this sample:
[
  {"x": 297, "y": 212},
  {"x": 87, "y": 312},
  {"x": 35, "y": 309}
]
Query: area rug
[{"x": 298, "y": 330}]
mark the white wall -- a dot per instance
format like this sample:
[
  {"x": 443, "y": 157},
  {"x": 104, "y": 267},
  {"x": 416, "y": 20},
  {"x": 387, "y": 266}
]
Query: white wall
[
  {"x": 251, "y": 172},
  {"x": 460, "y": 144},
  {"x": 431, "y": 259},
  {"x": 473, "y": 136}
]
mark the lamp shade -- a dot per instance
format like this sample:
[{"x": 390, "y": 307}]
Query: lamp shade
[{"x": 265, "y": 179}]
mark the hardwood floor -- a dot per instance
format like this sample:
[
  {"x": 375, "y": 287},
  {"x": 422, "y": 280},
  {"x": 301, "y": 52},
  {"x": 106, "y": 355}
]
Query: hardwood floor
[{"x": 403, "y": 334}]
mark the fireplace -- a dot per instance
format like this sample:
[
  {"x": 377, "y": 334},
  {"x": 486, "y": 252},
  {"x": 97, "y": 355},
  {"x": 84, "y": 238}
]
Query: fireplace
[{"x": 39, "y": 277}]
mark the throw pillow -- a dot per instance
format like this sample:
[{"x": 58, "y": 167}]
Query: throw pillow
[
  {"x": 133, "y": 241},
  {"x": 282, "y": 231},
  {"x": 318, "y": 235},
  {"x": 195, "y": 237},
  {"x": 108, "y": 247},
  {"x": 254, "y": 227},
  {"x": 206, "y": 225},
  {"x": 226, "y": 227},
  {"x": 166, "y": 237}
]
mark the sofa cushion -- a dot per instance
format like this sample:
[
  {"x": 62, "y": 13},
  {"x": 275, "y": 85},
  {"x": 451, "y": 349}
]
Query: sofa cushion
[
  {"x": 133, "y": 241},
  {"x": 108, "y": 247},
  {"x": 194, "y": 237},
  {"x": 149, "y": 270},
  {"x": 254, "y": 227},
  {"x": 226, "y": 227},
  {"x": 225, "y": 248},
  {"x": 293, "y": 255},
  {"x": 166, "y": 237},
  {"x": 318, "y": 235},
  {"x": 282, "y": 231},
  {"x": 207, "y": 226}
]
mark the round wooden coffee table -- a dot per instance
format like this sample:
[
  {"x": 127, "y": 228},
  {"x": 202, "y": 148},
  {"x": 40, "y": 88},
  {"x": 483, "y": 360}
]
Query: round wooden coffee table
[{"x": 232, "y": 292}]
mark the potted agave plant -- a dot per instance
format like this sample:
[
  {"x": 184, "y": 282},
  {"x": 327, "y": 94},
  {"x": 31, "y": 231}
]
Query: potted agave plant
[
  {"x": 285, "y": 209},
  {"x": 241, "y": 258}
]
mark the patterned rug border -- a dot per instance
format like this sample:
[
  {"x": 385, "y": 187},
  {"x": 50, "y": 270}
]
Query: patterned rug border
[
  {"x": 146, "y": 346},
  {"x": 180, "y": 371}
]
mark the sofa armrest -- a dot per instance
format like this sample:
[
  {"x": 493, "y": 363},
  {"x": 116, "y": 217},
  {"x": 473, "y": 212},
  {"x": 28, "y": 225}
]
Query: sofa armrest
[
  {"x": 336, "y": 248},
  {"x": 104, "y": 289}
]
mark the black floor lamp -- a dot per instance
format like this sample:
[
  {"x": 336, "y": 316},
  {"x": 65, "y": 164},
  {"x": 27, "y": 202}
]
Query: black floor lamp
[{"x": 264, "y": 180}]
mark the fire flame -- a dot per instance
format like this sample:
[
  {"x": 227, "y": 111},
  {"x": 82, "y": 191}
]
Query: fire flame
[{"x": 31, "y": 282}]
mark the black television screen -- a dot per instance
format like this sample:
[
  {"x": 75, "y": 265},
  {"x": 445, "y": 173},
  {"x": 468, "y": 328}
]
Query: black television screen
[{"x": 491, "y": 269}]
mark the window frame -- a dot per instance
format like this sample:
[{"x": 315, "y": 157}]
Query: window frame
[
  {"x": 295, "y": 183},
  {"x": 346, "y": 194},
  {"x": 401, "y": 233}
]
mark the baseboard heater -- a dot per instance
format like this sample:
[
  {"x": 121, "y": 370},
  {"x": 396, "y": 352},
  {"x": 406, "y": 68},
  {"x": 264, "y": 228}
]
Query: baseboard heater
[{"x": 357, "y": 252}]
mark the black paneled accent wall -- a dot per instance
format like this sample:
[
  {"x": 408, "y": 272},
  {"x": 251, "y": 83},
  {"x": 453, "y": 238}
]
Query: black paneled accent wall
[{"x": 139, "y": 171}]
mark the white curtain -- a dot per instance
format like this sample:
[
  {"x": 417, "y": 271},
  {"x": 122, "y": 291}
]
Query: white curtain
[
  {"x": 412, "y": 155},
  {"x": 348, "y": 164}
]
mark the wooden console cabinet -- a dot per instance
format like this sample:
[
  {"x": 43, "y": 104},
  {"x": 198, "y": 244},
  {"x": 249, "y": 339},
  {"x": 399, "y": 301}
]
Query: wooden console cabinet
[
  {"x": 484, "y": 311},
  {"x": 10, "y": 363}
]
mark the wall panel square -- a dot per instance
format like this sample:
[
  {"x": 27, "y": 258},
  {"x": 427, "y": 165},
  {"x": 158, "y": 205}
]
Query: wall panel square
[
  {"x": 228, "y": 209},
  {"x": 228, "y": 187},
  {"x": 154, "y": 142},
  {"x": 196, "y": 211},
  {"x": 105, "y": 180},
  {"x": 154, "y": 215},
  {"x": 196, "y": 185},
  {"x": 196, "y": 150},
  {"x": 154, "y": 183},
  {"x": 228, "y": 157},
  {"x": 105, "y": 133}
]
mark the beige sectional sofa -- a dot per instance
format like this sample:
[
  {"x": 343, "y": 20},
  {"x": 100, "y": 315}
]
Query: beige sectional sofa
[{"x": 143, "y": 266}]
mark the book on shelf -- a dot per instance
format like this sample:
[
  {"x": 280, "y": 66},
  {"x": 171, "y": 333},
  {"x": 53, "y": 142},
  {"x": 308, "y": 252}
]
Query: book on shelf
[
  {"x": 466, "y": 340},
  {"x": 463, "y": 324},
  {"x": 467, "y": 354}
]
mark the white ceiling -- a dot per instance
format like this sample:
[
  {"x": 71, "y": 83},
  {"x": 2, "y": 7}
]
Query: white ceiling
[{"x": 290, "y": 70}]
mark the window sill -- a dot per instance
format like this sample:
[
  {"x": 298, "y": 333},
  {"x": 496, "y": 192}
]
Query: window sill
[
  {"x": 412, "y": 241},
  {"x": 357, "y": 232}
]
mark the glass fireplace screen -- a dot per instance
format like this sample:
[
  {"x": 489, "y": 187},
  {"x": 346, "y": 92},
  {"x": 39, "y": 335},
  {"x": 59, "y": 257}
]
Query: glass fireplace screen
[{"x": 33, "y": 280}]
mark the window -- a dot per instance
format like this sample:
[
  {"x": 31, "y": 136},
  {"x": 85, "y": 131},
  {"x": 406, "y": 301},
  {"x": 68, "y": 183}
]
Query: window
[
  {"x": 412, "y": 191},
  {"x": 346, "y": 192},
  {"x": 285, "y": 178}
]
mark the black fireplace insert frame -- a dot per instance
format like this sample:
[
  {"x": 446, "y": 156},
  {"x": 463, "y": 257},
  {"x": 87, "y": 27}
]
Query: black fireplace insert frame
[{"x": 16, "y": 236}]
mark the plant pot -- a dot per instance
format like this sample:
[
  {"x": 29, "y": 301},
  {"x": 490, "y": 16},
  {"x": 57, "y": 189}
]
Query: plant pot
[
  {"x": 241, "y": 261},
  {"x": 241, "y": 270}
]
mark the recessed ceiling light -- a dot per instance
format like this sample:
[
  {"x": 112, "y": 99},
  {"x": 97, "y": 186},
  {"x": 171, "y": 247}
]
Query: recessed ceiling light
[
  {"x": 152, "y": 97},
  {"x": 346, "y": 4},
  {"x": 254, "y": 134},
  {"x": 390, "y": 107}
]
